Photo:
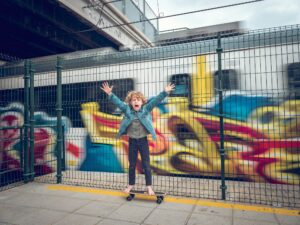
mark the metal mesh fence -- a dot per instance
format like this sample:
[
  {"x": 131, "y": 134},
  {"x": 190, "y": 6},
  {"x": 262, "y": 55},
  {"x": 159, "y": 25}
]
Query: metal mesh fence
[
  {"x": 11, "y": 160},
  {"x": 11, "y": 135},
  {"x": 228, "y": 131}
]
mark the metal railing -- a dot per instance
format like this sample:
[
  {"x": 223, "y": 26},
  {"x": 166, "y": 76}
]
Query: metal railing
[{"x": 139, "y": 11}]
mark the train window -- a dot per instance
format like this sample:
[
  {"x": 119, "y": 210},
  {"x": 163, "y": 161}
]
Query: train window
[
  {"x": 76, "y": 94},
  {"x": 230, "y": 81},
  {"x": 182, "y": 82},
  {"x": 294, "y": 79},
  {"x": 9, "y": 96},
  {"x": 45, "y": 99},
  {"x": 121, "y": 88}
]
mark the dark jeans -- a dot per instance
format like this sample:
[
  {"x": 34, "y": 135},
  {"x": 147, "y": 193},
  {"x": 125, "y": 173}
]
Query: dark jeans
[{"x": 141, "y": 145}]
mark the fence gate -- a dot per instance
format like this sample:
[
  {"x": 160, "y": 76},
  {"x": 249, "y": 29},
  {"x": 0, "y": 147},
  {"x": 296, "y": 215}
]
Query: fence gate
[{"x": 230, "y": 130}]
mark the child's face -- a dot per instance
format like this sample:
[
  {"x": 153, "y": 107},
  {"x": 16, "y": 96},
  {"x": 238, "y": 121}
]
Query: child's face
[{"x": 136, "y": 103}]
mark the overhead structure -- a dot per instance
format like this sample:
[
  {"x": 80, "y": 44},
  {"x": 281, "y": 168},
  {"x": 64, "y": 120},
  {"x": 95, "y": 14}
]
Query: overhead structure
[
  {"x": 108, "y": 20},
  {"x": 34, "y": 28}
]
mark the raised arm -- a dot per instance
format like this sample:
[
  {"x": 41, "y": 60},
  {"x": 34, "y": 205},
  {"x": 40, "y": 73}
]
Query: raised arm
[
  {"x": 154, "y": 102},
  {"x": 112, "y": 97},
  {"x": 106, "y": 88}
]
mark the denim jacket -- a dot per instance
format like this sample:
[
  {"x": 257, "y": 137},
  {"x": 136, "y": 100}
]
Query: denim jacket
[{"x": 144, "y": 114}]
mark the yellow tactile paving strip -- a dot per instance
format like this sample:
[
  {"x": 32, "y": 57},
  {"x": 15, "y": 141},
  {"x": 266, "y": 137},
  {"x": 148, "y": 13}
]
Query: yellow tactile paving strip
[{"x": 262, "y": 209}]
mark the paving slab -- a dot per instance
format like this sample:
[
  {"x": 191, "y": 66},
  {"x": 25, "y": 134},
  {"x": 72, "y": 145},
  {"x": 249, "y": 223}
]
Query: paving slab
[
  {"x": 5, "y": 195},
  {"x": 41, "y": 217},
  {"x": 115, "y": 222},
  {"x": 239, "y": 221},
  {"x": 11, "y": 213},
  {"x": 167, "y": 217},
  {"x": 176, "y": 206},
  {"x": 101, "y": 209},
  {"x": 250, "y": 215},
  {"x": 131, "y": 213},
  {"x": 47, "y": 201},
  {"x": 209, "y": 219},
  {"x": 217, "y": 211},
  {"x": 75, "y": 219},
  {"x": 149, "y": 203},
  {"x": 83, "y": 195},
  {"x": 288, "y": 220}
]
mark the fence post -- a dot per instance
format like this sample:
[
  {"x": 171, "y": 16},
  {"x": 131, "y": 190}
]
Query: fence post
[
  {"x": 26, "y": 121},
  {"x": 31, "y": 100},
  {"x": 63, "y": 149},
  {"x": 21, "y": 150},
  {"x": 219, "y": 50},
  {"x": 59, "y": 121}
]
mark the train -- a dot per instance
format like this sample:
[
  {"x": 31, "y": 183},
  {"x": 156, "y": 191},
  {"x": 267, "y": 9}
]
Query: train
[{"x": 255, "y": 83}]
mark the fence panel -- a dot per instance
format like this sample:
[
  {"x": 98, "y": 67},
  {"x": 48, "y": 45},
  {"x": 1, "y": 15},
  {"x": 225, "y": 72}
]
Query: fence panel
[
  {"x": 45, "y": 120},
  {"x": 95, "y": 157},
  {"x": 27, "y": 149},
  {"x": 11, "y": 131},
  {"x": 12, "y": 161},
  {"x": 259, "y": 117},
  {"x": 261, "y": 122}
]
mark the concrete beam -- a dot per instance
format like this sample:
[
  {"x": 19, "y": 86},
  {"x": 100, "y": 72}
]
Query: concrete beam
[{"x": 125, "y": 36}]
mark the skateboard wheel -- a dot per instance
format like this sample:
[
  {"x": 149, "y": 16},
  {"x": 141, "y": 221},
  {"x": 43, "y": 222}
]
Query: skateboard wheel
[
  {"x": 159, "y": 200},
  {"x": 130, "y": 197}
]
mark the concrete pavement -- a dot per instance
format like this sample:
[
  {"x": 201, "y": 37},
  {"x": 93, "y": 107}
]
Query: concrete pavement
[{"x": 45, "y": 204}]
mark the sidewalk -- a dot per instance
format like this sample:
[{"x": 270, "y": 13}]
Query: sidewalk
[{"x": 37, "y": 203}]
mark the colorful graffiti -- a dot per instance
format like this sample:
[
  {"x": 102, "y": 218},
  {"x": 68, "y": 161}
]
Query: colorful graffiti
[
  {"x": 261, "y": 140},
  {"x": 263, "y": 146},
  {"x": 12, "y": 152}
]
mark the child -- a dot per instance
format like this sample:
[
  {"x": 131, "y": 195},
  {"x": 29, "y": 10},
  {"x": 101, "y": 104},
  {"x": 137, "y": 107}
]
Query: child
[{"x": 137, "y": 123}]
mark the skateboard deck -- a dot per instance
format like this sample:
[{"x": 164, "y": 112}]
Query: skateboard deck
[{"x": 159, "y": 195}]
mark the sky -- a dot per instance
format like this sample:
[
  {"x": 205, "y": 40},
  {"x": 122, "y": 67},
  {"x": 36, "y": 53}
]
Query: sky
[{"x": 264, "y": 14}]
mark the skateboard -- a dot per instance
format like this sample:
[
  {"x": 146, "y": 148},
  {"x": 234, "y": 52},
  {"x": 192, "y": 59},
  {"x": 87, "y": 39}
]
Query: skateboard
[{"x": 159, "y": 195}]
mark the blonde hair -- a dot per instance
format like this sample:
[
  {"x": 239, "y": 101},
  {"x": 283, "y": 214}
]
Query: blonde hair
[{"x": 137, "y": 94}]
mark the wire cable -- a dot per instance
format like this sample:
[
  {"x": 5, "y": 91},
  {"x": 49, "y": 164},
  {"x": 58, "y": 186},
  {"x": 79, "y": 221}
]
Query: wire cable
[
  {"x": 169, "y": 16},
  {"x": 100, "y": 2}
]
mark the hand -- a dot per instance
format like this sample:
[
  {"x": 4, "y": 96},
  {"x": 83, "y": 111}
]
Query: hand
[
  {"x": 105, "y": 87},
  {"x": 170, "y": 87}
]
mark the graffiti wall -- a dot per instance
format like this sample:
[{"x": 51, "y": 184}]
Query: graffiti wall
[
  {"x": 12, "y": 150},
  {"x": 261, "y": 140}
]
